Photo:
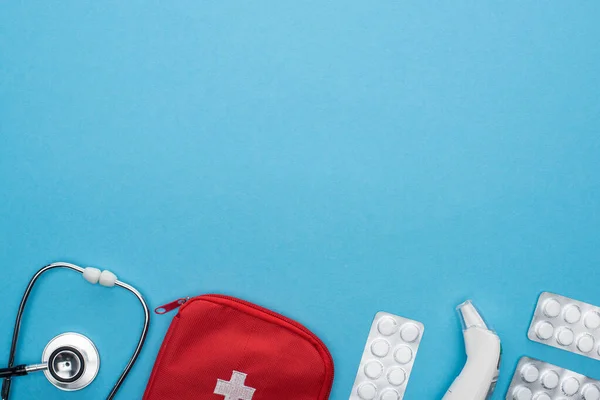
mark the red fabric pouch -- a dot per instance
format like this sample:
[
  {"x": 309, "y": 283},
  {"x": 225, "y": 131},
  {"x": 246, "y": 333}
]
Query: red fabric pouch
[{"x": 223, "y": 348}]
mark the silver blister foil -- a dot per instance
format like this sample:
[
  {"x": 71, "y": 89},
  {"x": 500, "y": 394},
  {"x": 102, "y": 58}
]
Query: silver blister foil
[
  {"x": 538, "y": 380},
  {"x": 566, "y": 324},
  {"x": 388, "y": 358}
]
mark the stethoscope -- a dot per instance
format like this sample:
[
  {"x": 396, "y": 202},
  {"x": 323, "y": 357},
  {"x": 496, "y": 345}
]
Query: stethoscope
[{"x": 71, "y": 361}]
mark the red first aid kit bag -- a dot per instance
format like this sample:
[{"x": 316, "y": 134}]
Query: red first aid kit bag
[{"x": 223, "y": 348}]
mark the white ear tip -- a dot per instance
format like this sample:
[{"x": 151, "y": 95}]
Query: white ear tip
[
  {"x": 107, "y": 279},
  {"x": 92, "y": 275}
]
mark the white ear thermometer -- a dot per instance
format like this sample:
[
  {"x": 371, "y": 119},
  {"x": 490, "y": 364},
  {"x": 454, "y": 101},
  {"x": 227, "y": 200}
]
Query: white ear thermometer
[{"x": 477, "y": 379}]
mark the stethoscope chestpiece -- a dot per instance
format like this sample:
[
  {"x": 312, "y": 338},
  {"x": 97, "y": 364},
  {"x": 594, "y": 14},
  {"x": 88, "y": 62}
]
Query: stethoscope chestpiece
[{"x": 73, "y": 361}]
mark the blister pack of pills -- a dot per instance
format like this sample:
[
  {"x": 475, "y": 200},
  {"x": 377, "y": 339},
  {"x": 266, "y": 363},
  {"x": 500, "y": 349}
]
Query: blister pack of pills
[
  {"x": 567, "y": 324},
  {"x": 538, "y": 380},
  {"x": 388, "y": 358}
]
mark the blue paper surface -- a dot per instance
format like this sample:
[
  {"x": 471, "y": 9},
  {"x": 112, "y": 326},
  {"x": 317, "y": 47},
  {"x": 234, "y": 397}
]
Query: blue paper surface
[{"x": 327, "y": 160}]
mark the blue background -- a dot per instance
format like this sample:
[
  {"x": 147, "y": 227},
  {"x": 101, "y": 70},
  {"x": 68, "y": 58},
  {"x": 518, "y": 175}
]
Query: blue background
[{"x": 324, "y": 159}]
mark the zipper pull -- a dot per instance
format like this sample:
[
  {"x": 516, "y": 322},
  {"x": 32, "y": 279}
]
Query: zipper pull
[{"x": 171, "y": 306}]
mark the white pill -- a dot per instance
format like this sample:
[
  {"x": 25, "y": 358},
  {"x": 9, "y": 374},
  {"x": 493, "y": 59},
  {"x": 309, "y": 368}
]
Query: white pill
[
  {"x": 591, "y": 392},
  {"x": 396, "y": 376},
  {"x": 552, "y": 308},
  {"x": 592, "y": 320},
  {"x": 409, "y": 332},
  {"x": 387, "y": 326},
  {"x": 403, "y": 354},
  {"x": 542, "y": 396},
  {"x": 380, "y": 348},
  {"x": 522, "y": 393},
  {"x": 572, "y": 314},
  {"x": 570, "y": 386},
  {"x": 390, "y": 395},
  {"x": 544, "y": 330},
  {"x": 373, "y": 369},
  {"x": 367, "y": 391},
  {"x": 585, "y": 343},
  {"x": 530, "y": 373},
  {"x": 565, "y": 336},
  {"x": 550, "y": 380}
]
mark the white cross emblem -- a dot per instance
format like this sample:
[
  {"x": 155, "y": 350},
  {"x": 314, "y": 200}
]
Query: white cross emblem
[{"x": 234, "y": 389}]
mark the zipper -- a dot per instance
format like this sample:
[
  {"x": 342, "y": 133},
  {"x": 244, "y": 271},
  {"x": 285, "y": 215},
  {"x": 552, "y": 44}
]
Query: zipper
[
  {"x": 160, "y": 310},
  {"x": 185, "y": 301}
]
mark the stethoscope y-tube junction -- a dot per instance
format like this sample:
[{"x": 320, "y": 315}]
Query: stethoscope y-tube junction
[
  {"x": 68, "y": 355},
  {"x": 18, "y": 370}
]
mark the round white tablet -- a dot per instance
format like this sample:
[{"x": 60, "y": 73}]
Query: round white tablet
[
  {"x": 570, "y": 386},
  {"x": 572, "y": 314},
  {"x": 542, "y": 396},
  {"x": 530, "y": 373},
  {"x": 585, "y": 343},
  {"x": 387, "y": 326},
  {"x": 552, "y": 308},
  {"x": 592, "y": 320},
  {"x": 591, "y": 392},
  {"x": 565, "y": 336},
  {"x": 367, "y": 391},
  {"x": 396, "y": 376},
  {"x": 403, "y": 354},
  {"x": 550, "y": 380},
  {"x": 522, "y": 393},
  {"x": 380, "y": 348},
  {"x": 410, "y": 332},
  {"x": 373, "y": 369},
  {"x": 544, "y": 330},
  {"x": 390, "y": 395}
]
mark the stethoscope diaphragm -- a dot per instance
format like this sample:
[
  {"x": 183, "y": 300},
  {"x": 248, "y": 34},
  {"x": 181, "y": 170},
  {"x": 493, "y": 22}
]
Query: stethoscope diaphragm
[{"x": 73, "y": 361}]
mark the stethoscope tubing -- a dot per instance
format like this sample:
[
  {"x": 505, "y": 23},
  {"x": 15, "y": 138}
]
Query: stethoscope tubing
[
  {"x": 17, "y": 328},
  {"x": 141, "y": 341}
]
